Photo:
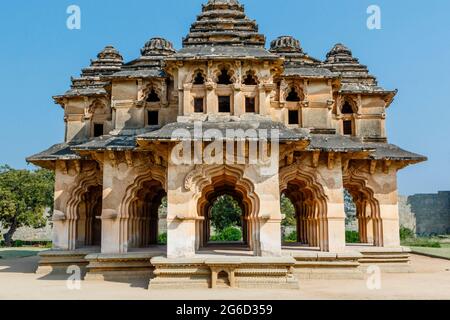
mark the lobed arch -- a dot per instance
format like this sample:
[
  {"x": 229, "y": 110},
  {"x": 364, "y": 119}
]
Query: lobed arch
[
  {"x": 84, "y": 182},
  {"x": 368, "y": 207},
  {"x": 155, "y": 87},
  {"x": 300, "y": 185},
  {"x": 293, "y": 86},
  {"x": 149, "y": 183},
  {"x": 217, "y": 71},
  {"x": 191, "y": 78},
  {"x": 98, "y": 106},
  {"x": 208, "y": 183},
  {"x": 250, "y": 75},
  {"x": 350, "y": 102}
]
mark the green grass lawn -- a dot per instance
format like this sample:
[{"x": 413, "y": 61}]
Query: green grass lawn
[
  {"x": 443, "y": 252},
  {"x": 16, "y": 253}
]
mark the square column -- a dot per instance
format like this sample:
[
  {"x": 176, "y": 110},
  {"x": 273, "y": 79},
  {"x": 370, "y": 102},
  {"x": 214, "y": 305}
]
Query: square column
[
  {"x": 332, "y": 225},
  {"x": 181, "y": 214}
]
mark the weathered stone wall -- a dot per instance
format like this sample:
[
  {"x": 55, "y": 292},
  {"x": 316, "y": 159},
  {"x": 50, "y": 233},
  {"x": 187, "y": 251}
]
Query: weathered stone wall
[
  {"x": 432, "y": 212},
  {"x": 407, "y": 216},
  {"x": 31, "y": 234}
]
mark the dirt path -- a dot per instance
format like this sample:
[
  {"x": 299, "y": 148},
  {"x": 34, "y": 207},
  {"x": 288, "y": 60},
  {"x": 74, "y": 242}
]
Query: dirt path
[{"x": 431, "y": 281}]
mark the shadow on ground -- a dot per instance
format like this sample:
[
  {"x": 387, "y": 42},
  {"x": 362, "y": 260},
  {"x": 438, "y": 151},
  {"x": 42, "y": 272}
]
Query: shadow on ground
[{"x": 19, "y": 265}]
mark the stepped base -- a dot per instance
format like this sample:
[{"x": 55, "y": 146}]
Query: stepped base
[
  {"x": 322, "y": 265},
  {"x": 58, "y": 262},
  {"x": 389, "y": 260},
  {"x": 251, "y": 272}
]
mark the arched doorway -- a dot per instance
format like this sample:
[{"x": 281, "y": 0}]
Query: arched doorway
[
  {"x": 225, "y": 221},
  {"x": 300, "y": 184},
  {"x": 213, "y": 182},
  {"x": 143, "y": 228},
  {"x": 289, "y": 225},
  {"x": 307, "y": 212},
  {"x": 88, "y": 225},
  {"x": 223, "y": 186},
  {"x": 366, "y": 213}
]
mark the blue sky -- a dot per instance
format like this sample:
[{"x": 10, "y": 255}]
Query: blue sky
[{"x": 411, "y": 53}]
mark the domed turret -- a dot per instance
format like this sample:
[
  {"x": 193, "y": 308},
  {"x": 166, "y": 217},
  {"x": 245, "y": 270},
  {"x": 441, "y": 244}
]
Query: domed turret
[
  {"x": 158, "y": 47},
  {"x": 289, "y": 48},
  {"x": 111, "y": 54},
  {"x": 285, "y": 44},
  {"x": 340, "y": 53}
]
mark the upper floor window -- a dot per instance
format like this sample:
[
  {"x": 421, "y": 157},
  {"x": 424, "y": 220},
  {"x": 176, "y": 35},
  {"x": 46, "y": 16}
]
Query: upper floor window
[
  {"x": 224, "y": 77},
  {"x": 199, "y": 79},
  {"x": 348, "y": 121},
  {"x": 198, "y": 105},
  {"x": 152, "y": 118},
  {"x": 153, "y": 96},
  {"x": 348, "y": 127},
  {"x": 294, "y": 117},
  {"x": 98, "y": 129},
  {"x": 224, "y": 104},
  {"x": 293, "y": 96},
  {"x": 250, "y": 105}
]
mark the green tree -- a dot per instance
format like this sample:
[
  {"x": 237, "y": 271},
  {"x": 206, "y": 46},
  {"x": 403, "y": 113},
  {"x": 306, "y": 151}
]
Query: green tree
[
  {"x": 226, "y": 213},
  {"x": 24, "y": 197},
  {"x": 288, "y": 210}
]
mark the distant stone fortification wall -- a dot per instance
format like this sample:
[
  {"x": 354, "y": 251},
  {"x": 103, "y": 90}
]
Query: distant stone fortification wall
[
  {"x": 30, "y": 234},
  {"x": 432, "y": 213},
  {"x": 407, "y": 216}
]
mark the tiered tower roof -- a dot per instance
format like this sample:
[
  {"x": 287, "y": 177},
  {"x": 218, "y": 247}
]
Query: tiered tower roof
[
  {"x": 224, "y": 22},
  {"x": 91, "y": 83},
  {"x": 340, "y": 59},
  {"x": 355, "y": 76},
  {"x": 223, "y": 30}
]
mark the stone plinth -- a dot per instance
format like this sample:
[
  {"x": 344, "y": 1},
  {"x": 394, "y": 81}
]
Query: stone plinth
[
  {"x": 55, "y": 261},
  {"x": 216, "y": 272},
  {"x": 119, "y": 267}
]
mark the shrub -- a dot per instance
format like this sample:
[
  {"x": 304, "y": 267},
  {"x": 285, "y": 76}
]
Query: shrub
[
  {"x": 228, "y": 234},
  {"x": 422, "y": 242},
  {"x": 406, "y": 233},
  {"x": 18, "y": 244},
  {"x": 351, "y": 236},
  {"x": 291, "y": 237},
  {"x": 162, "y": 238},
  {"x": 21, "y": 243}
]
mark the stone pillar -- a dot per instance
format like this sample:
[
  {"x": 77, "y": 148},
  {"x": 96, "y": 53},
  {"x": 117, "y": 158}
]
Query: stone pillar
[
  {"x": 389, "y": 214},
  {"x": 267, "y": 189},
  {"x": 212, "y": 102},
  {"x": 181, "y": 214},
  {"x": 113, "y": 192},
  {"x": 263, "y": 105},
  {"x": 187, "y": 99},
  {"x": 239, "y": 101},
  {"x": 381, "y": 211},
  {"x": 333, "y": 224},
  {"x": 60, "y": 232}
]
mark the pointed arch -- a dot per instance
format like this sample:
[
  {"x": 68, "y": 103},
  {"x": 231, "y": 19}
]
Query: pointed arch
[{"x": 151, "y": 179}]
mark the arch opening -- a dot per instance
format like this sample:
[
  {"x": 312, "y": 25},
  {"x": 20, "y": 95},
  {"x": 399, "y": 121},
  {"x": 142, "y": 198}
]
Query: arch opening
[
  {"x": 88, "y": 224},
  {"x": 293, "y": 95},
  {"x": 224, "y": 77},
  {"x": 226, "y": 220},
  {"x": 362, "y": 210},
  {"x": 239, "y": 200},
  {"x": 146, "y": 211},
  {"x": 309, "y": 204}
]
